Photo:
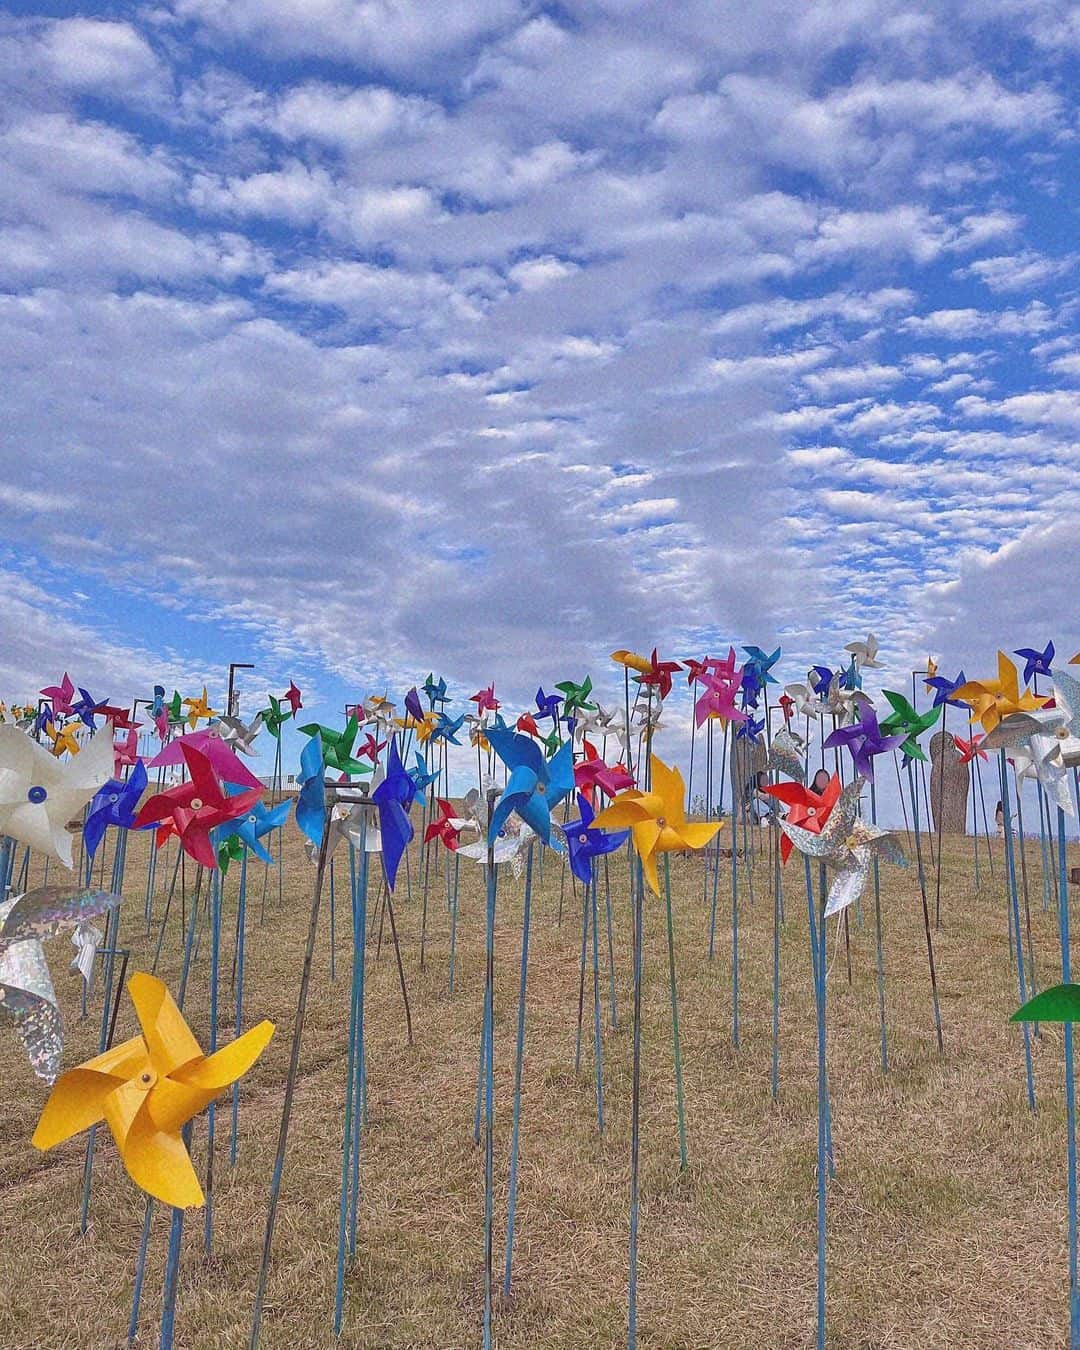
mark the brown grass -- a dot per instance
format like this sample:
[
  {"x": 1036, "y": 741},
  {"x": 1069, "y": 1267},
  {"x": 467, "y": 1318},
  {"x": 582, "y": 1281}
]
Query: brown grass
[{"x": 947, "y": 1219}]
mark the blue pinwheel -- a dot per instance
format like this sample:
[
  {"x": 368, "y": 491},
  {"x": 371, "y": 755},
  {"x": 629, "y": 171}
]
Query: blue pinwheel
[
  {"x": 394, "y": 795},
  {"x": 751, "y": 729},
  {"x": 760, "y": 664},
  {"x": 446, "y": 729},
  {"x": 311, "y": 799},
  {"x": 535, "y": 786},
  {"x": 86, "y": 706},
  {"x": 851, "y": 678},
  {"x": 157, "y": 707},
  {"x": 114, "y": 804},
  {"x": 944, "y": 689},
  {"x": 584, "y": 841},
  {"x": 547, "y": 705},
  {"x": 420, "y": 776},
  {"x": 1036, "y": 662},
  {"x": 750, "y": 687},
  {"x": 254, "y": 824},
  {"x": 435, "y": 690},
  {"x": 819, "y": 678}
]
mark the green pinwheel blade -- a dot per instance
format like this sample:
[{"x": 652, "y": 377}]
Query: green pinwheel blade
[{"x": 1061, "y": 1003}]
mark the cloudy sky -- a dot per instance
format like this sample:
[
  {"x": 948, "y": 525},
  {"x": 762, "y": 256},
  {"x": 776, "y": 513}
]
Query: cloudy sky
[{"x": 356, "y": 338}]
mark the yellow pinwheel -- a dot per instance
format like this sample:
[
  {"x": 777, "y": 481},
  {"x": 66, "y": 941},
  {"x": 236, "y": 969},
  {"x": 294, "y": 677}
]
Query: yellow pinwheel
[
  {"x": 634, "y": 660},
  {"x": 147, "y": 1089},
  {"x": 64, "y": 739},
  {"x": 657, "y": 819},
  {"x": 991, "y": 700},
  {"x": 198, "y": 708},
  {"x": 930, "y": 671}
]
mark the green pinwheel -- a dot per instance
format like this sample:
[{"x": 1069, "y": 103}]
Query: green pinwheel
[
  {"x": 905, "y": 721},
  {"x": 575, "y": 696},
  {"x": 1059, "y": 1003},
  {"x": 337, "y": 746},
  {"x": 175, "y": 709},
  {"x": 275, "y": 716}
]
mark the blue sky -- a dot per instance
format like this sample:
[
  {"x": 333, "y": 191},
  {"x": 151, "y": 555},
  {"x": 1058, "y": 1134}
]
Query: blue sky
[{"x": 357, "y": 339}]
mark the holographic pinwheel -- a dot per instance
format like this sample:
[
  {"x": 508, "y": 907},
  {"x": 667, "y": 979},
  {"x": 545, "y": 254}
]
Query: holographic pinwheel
[
  {"x": 535, "y": 785},
  {"x": 27, "y": 997},
  {"x": 146, "y": 1089},
  {"x": 786, "y": 754},
  {"x": 192, "y": 810},
  {"x": 806, "y": 808},
  {"x": 394, "y": 796},
  {"x": 584, "y": 841},
  {"x": 239, "y": 736},
  {"x": 805, "y": 700},
  {"x": 864, "y": 740},
  {"x": 337, "y": 746},
  {"x": 39, "y": 795},
  {"x": 905, "y": 721},
  {"x": 1036, "y": 662},
  {"x": 114, "y": 804},
  {"x": 657, "y": 819}
]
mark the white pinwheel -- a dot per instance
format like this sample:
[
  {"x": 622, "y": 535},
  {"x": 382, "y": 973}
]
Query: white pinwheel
[
  {"x": 807, "y": 703},
  {"x": 865, "y": 653},
  {"x": 238, "y": 735},
  {"x": 39, "y": 795}
]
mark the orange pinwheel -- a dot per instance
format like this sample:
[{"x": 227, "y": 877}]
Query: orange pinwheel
[
  {"x": 147, "y": 1089},
  {"x": 991, "y": 700},
  {"x": 657, "y": 819}
]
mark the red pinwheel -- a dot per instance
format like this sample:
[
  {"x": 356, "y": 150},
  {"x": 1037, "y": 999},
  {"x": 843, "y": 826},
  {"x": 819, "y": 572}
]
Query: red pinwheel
[
  {"x": 292, "y": 698},
  {"x": 592, "y": 773},
  {"x": 967, "y": 750},
  {"x": 485, "y": 699},
  {"x": 444, "y": 828},
  {"x": 787, "y": 707},
  {"x": 191, "y": 810},
  {"x": 527, "y": 723},
  {"x": 125, "y": 753},
  {"x": 659, "y": 674},
  {"x": 119, "y": 718},
  {"x": 371, "y": 748},
  {"x": 695, "y": 669},
  {"x": 806, "y": 808}
]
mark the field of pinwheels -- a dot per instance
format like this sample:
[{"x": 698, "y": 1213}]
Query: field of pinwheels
[{"x": 595, "y": 1050}]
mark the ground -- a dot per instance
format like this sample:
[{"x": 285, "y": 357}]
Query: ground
[{"x": 947, "y": 1213}]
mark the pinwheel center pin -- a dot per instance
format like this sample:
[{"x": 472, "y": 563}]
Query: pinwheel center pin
[
  {"x": 148, "y": 1079},
  {"x": 661, "y": 822},
  {"x": 540, "y": 787},
  {"x": 583, "y": 838},
  {"x": 37, "y": 794},
  {"x": 811, "y": 811},
  {"x": 196, "y": 803}
]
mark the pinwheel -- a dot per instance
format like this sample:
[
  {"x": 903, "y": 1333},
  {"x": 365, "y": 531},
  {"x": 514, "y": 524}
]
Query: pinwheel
[
  {"x": 485, "y": 699},
  {"x": 413, "y": 706},
  {"x": 39, "y": 795},
  {"x": 547, "y": 705},
  {"x": 659, "y": 674},
  {"x": 425, "y": 728},
  {"x": 39, "y": 723},
  {"x": 584, "y": 841},
  {"x": 991, "y": 700},
  {"x": 657, "y": 819},
  {"x": 292, "y": 698},
  {"x": 967, "y": 750},
  {"x": 535, "y": 785},
  {"x": 847, "y": 842},
  {"x": 60, "y": 696},
  {"x": 191, "y": 810},
  {"x": 805, "y": 700},
  {"x": 114, "y": 804},
  {"x": 592, "y": 773},
  {"x": 311, "y": 798},
  {"x": 1036, "y": 662},
  {"x": 255, "y": 823},
  {"x": 576, "y": 696},
  {"x": 787, "y": 706},
  {"x": 527, "y": 723},
  {"x": 851, "y": 678},
  {"x": 864, "y": 739},
  {"x": 337, "y": 746},
  {"x": 435, "y": 690},
  {"x": 208, "y": 742},
  {"x": 477, "y": 731},
  {"x": 750, "y": 729},
  {"x": 146, "y": 1089},
  {"x": 118, "y": 718},
  {"x": 694, "y": 669},
  {"x": 27, "y": 997},
  {"x": 86, "y": 938},
  {"x": 64, "y": 740},
  {"x": 239, "y": 736},
  {"x": 760, "y": 664},
  {"x": 274, "y": 716},
  {"x": 446, "y": 728},
  {"x": 786, "y": 754},
  {"x": 510, "y": 846},
  {"x": 632, "y": 660},
  {"x": 421, "y": 777},
  {"x": 86, "y": 708},
  {"x": 865, "y": 653},
  {"x": 613, "y": 723},
  {"x": 379, "y": 711},
  {"x": 160, "y": 719},
  {"x": 819, "y": 679},
  {"x": 904, "y": 719},
  {"x": 840, "y": 700},
  {"x": 944, "y": 690},
  {"x": 806, "y": 808},
  {"x": 125, "y": 753},
  {"x": 586, "y": 720},
  {"x": 394, "y": 796},
  {"x": 371, "y": 748},
  {"x": 175, "y": 709},
  {"x": 445, "y": 827},
  {"x": 198, "y": 710}
]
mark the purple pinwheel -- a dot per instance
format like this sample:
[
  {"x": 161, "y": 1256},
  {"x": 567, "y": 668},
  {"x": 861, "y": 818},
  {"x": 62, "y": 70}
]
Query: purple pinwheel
[
  {"x": 1036, "y": 663},
  {"x": 394, "y": 795},
  {"x": 944, "y": 689},
  {"x": 115, "y": 803},
  {"x": 413, "y": 706},
  {"x": 87, "y": 706},
  {"x": 584, "y": 842},
  {"x": 864, "y": 739},
  {"x": 547, "y": 705}
]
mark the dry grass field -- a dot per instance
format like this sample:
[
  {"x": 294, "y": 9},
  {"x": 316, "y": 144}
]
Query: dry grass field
[{"x": 947, "y": 1216}]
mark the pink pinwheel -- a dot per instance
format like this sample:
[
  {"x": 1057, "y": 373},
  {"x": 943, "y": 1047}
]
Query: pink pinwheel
[
  {"x": 695, "y": 669},
  {"x": 485, "y": 699},
  {"x": 592, "y": 773},
  {"x": 125, "y": 753},
  {"x": 191, "y": 810},
  {"x": 716, "y": 701},
  {"x": 161, "y": 724},
  {"x": 371, "y": 748},
  {"x": 527, "y": 723},
  {"x": 659, "y": 675},
  {"x": 292, "y": 698},
  {"x": 60, "y": 696},
  {"x": 208, "y": 743},
  {"x": 968, "y": 750}
]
